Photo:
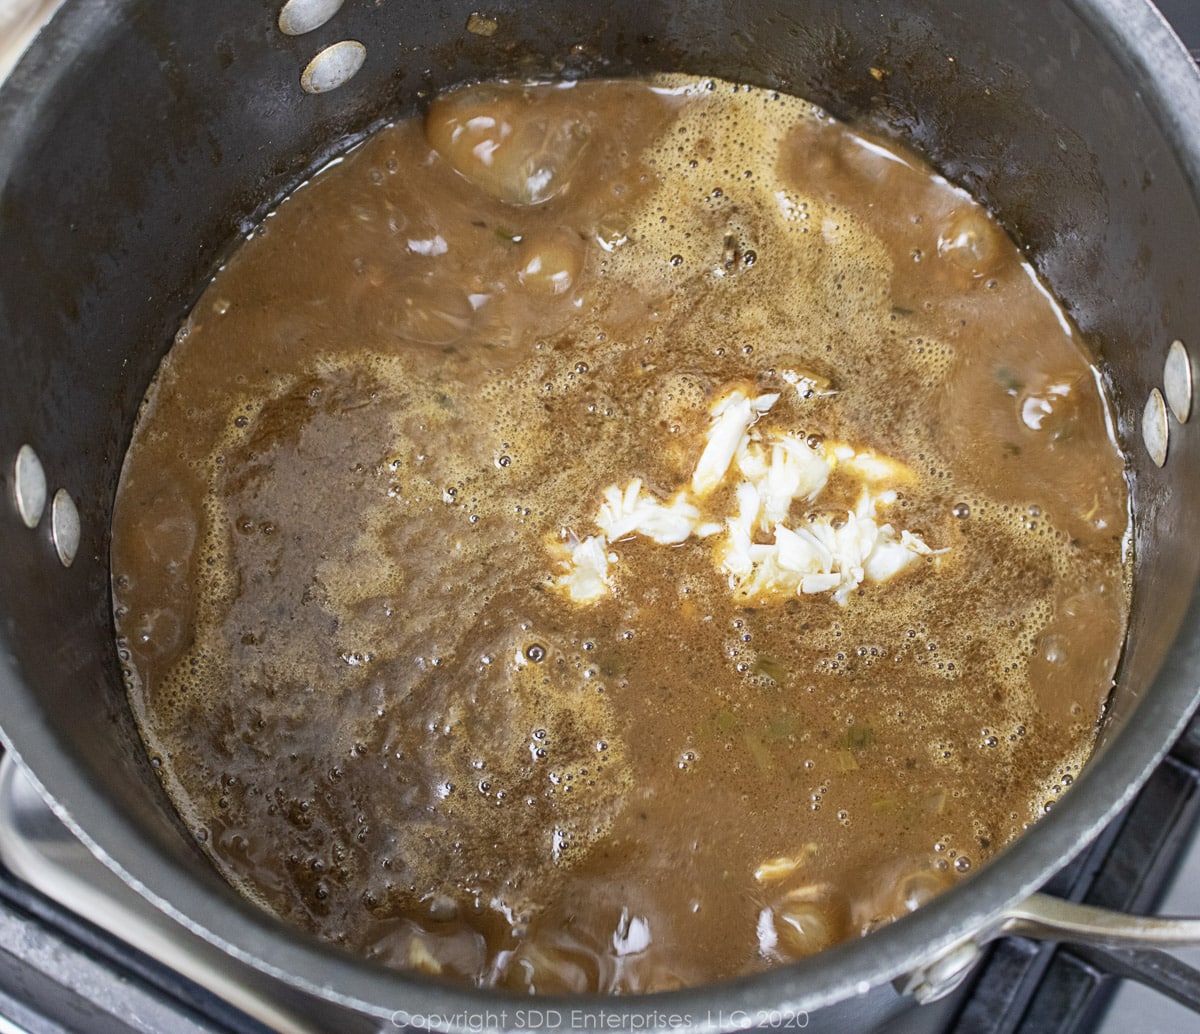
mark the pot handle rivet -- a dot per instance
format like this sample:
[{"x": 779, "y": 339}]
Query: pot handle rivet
[
  {"x": 334, "y": 66},
  {"x": 1155, "y": 428},
  {"x": 29, "y": 486},
  {"x": 1177, "y": 381},
  {"x": 297, "y": 17},
  {"x": 64, "y": 526}
]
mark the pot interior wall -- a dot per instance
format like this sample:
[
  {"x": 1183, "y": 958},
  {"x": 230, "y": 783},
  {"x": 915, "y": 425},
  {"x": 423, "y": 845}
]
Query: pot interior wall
[{"x": 143, "y": 140}]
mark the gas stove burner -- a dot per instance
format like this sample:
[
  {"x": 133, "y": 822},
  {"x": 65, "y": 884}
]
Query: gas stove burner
[{"x": 125, "y": 958}]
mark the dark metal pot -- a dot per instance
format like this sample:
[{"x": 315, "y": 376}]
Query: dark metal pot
[{"x": 139, "y": 140}]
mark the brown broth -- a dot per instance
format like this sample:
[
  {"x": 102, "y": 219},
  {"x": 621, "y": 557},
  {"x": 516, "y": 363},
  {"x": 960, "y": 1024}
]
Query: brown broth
[{"x": 333, "y": 549}]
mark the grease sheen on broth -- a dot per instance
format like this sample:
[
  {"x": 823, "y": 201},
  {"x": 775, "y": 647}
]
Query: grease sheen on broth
[{"x": 334, "y": 539}]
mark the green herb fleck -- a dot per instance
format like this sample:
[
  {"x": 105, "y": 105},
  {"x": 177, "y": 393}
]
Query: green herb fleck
[
  {"x": 771, "y": 668},
  {"x": 1007, "y": 379},
  {"x": 859, "y": 737}
]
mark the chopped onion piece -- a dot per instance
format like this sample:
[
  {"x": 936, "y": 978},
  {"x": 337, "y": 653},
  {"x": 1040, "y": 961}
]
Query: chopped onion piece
[
  {"x": 775, "y": 869},
  {"x": 772, "y": 870}
]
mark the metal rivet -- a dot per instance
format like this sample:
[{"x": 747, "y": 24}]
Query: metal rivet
[
  {"x": 29, "y": 486},
  {"x": 1177, "y": 381},
  {"x": 333, "y": 66},
  {"x": 64, "y": 526},
  {"x": 1154, "y": 427},
  {"x": 297, "y": 17}
]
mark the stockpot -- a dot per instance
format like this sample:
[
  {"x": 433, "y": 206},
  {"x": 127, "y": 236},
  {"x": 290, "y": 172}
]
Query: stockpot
[{"x": 139, "y": 141}]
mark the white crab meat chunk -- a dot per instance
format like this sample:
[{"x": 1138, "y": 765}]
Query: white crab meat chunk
[
  {"x": 766, "y": 552},
  {"x": 813, "y": 584},
  {"x": 870, "y": 466},
  {"x": 801, "y": 552},
  {"x": 732, "y": 417},
  {"x": 584, "y": 567},
  {"x": 784, "y": 469},
  {"x": 808, "y": 385},
  {"x": 636, "y": 512},
  {"x": 888, "y": 559},
  {"x": 820, "y": 556},
  {"x": 796, "y": 471}
]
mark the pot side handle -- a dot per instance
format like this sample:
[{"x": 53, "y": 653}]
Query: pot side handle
[
  {"x": 1127, "y": 946},
  {"x": 1047, "y": 918}
]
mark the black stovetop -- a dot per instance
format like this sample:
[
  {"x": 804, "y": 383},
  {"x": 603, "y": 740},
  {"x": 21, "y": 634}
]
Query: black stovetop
[{"x": 1184, "y": 15}]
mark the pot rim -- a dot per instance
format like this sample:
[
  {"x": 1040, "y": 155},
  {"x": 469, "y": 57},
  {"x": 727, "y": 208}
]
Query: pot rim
[{"x": 1146, "y": 49}]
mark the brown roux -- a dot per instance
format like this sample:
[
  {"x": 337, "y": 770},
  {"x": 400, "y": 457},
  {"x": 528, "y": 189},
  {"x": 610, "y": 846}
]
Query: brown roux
[{"x": 330, "y": 565}]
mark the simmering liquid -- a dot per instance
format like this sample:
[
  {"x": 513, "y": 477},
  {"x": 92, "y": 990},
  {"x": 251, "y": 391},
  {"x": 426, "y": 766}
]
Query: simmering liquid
[{"x": 618, "y": 535}]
